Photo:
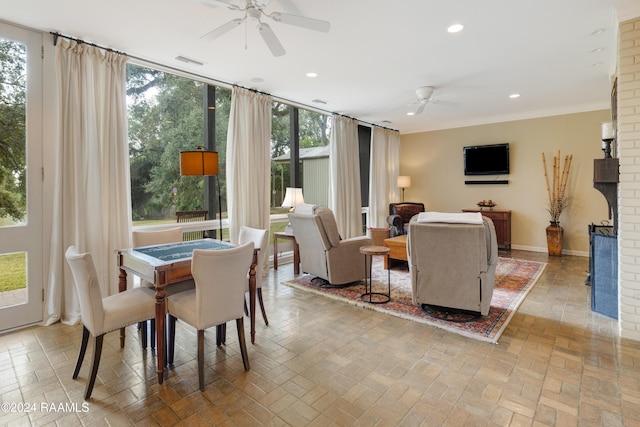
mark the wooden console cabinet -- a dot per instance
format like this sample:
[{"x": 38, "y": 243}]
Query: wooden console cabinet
[{"x": 501, "y": 221}]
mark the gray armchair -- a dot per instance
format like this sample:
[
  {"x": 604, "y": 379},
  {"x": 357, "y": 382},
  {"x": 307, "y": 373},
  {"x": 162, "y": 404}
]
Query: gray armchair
[
  {"x": 453, "y": 265},
  {"x": 322, "y": 252}
]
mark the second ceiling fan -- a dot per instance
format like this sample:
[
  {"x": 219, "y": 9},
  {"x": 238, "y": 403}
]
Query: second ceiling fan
[{"x": 255, "y": 9}]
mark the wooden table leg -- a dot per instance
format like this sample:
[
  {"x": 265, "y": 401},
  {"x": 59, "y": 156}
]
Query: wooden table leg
[
  {"x": 275, "y": 253},
  {"x": 161, "y": 311},
  {"x": 252, "y": 294},
  {"x": 296, "y": 258}
]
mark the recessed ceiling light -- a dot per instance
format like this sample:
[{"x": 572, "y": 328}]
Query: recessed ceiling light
[
  {"x": 257, "y": 79},
  {"x": 598, "y": 31},
  {"x": 455, "y": 28},
  {"x": 514, "y": 95},
  {"x": 597, "y": 50},
  {"x": 312, "y": 74},
  {"x": 318, "y": 101},
  {"x": 597, "y": 64},
  {"x": 410, "y": 113}
]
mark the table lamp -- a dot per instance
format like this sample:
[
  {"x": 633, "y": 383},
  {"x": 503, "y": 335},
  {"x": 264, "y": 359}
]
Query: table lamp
[{"x": 292, "y": 198}]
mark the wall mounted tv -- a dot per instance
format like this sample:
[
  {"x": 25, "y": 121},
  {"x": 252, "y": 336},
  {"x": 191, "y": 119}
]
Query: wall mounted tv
[{"x": 486, "y": 159}]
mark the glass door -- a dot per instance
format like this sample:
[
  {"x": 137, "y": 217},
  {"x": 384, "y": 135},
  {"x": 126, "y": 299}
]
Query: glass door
[{"x": 21, "y": 277}]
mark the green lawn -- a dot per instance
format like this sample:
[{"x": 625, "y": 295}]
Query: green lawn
[
  {"x": 13, "y": 267},
  {"x": 276, "y": 227},
  {"x": 13, "y": 271}
]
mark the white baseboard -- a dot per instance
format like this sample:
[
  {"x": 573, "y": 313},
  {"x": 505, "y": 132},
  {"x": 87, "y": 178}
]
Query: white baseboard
[{"x": 544, "y": 250}]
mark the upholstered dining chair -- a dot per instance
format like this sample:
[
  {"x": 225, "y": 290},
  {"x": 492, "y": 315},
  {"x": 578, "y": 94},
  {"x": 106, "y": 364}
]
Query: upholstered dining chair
[
  {"x": 148, "y": 238},
  {"x": 218, "y": 297},
  {"x": 101, "y": 315},
  {"x": 260, "y": 239},
  {"x": 192, "y": 216}
]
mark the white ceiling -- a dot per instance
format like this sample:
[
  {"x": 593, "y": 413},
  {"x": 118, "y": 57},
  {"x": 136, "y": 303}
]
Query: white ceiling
[{"x": 376, "y": 53}]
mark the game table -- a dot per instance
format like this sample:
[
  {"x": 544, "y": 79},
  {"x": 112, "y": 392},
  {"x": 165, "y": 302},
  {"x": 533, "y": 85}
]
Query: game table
[{"x": 166, "y": 264}]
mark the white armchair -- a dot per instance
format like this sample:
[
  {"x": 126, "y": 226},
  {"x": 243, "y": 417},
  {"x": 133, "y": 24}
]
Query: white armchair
[{"x": 322, "y": 252}]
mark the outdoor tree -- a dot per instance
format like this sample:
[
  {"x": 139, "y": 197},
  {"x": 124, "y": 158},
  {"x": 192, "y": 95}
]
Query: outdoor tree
[{"x": 12, "y": 130}]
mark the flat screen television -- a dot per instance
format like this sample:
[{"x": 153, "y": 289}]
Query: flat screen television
[{"x": 486, "y": 159}]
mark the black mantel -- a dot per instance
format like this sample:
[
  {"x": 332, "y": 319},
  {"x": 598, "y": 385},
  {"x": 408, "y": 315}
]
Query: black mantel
[{"x": 606, "y": 175}]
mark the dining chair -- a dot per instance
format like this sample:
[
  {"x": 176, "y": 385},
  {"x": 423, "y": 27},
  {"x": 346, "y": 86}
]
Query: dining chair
[
  {"x": 148, "y": 238},
  {"x": 260, "y": 239},
  {"x": 218, "y": 297},
  {"x": 192, "y": 216},
  {"x": 101, "y": 315}
]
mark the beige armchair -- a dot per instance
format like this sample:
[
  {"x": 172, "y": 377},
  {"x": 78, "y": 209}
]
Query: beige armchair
[
  {"x": 322, "y": 252},
  {"x": 453, "y": 263}
]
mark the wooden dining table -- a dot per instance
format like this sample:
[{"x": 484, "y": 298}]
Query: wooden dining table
[{"x": 166, "y": 264}]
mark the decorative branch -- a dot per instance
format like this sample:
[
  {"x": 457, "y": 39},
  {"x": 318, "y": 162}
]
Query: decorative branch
[{"x": 556, "y": 189}]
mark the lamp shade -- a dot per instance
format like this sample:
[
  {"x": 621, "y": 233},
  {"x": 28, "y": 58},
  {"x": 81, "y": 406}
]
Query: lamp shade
[
  {"x": 404, "y": 181},
  {"x": 292, "y": 198},
  {"x": 202, "y": 163}
]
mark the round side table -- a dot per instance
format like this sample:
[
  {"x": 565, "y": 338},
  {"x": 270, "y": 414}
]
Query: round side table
[{"x": 368, "y": 295}]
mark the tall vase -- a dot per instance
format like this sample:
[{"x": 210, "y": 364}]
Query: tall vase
[{"x": 554, "y": 239}]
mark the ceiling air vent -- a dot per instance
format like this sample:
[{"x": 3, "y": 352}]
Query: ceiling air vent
[{"x": 188, "y": 60}]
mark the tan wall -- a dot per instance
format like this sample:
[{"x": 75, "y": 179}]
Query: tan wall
[{"x": 434, "y": 162}]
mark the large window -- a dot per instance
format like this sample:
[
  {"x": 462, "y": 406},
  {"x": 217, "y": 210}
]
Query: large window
[
  {"x": 300, "y": 158},
  {"x": 300, "y": 153},
  {"x": 169, "y": 114}
]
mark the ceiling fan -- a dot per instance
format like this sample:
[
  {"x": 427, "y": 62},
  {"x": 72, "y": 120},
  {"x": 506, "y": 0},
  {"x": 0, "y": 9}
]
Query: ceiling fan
[
  {"x": 256, "y": 9},
  {"x": 425, "y": 96}
]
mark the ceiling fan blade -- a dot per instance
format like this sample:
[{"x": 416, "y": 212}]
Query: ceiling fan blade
[
  {"x": 271, "y": 40},
  {"x": 224, "y": 28},
  {"x": 288, "y": 6},
  {"x": 220, "y": 3},
  {"x": 444, "y": 102},
  {"x": 301, "y": 21},
  {"x": 262, "y": 3},
  {"x": 421, "y": 107}
]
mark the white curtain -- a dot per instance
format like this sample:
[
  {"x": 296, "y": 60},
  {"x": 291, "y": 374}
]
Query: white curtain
[
  {"x": 248, "y": 161},
  {"x": 384, "y": 165},
  {"x": 344, "y": 178},
  {"x": 92, "y": 186}
]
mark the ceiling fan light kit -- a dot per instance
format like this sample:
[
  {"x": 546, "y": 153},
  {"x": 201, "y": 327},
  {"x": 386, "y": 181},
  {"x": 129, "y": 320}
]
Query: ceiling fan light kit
[
  {"x": 425, "y": 95},
  {"x": 255, "y": 9}
]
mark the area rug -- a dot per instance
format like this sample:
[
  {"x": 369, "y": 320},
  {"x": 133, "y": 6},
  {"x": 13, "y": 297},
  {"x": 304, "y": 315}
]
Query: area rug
[{"x": 514, "y": 279}]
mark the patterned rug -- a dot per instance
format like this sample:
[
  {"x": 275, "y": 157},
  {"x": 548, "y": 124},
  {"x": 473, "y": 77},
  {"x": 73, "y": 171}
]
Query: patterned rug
[{"x": 514, "y": 280}]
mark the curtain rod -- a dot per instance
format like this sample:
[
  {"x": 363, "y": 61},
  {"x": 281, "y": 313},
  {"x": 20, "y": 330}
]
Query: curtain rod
[{"x": 57, "y": 35}]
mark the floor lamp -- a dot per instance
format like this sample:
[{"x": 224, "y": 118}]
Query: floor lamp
[
  {"x": 404, "y": 182},
  {"x": 202, "y": 163}
]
